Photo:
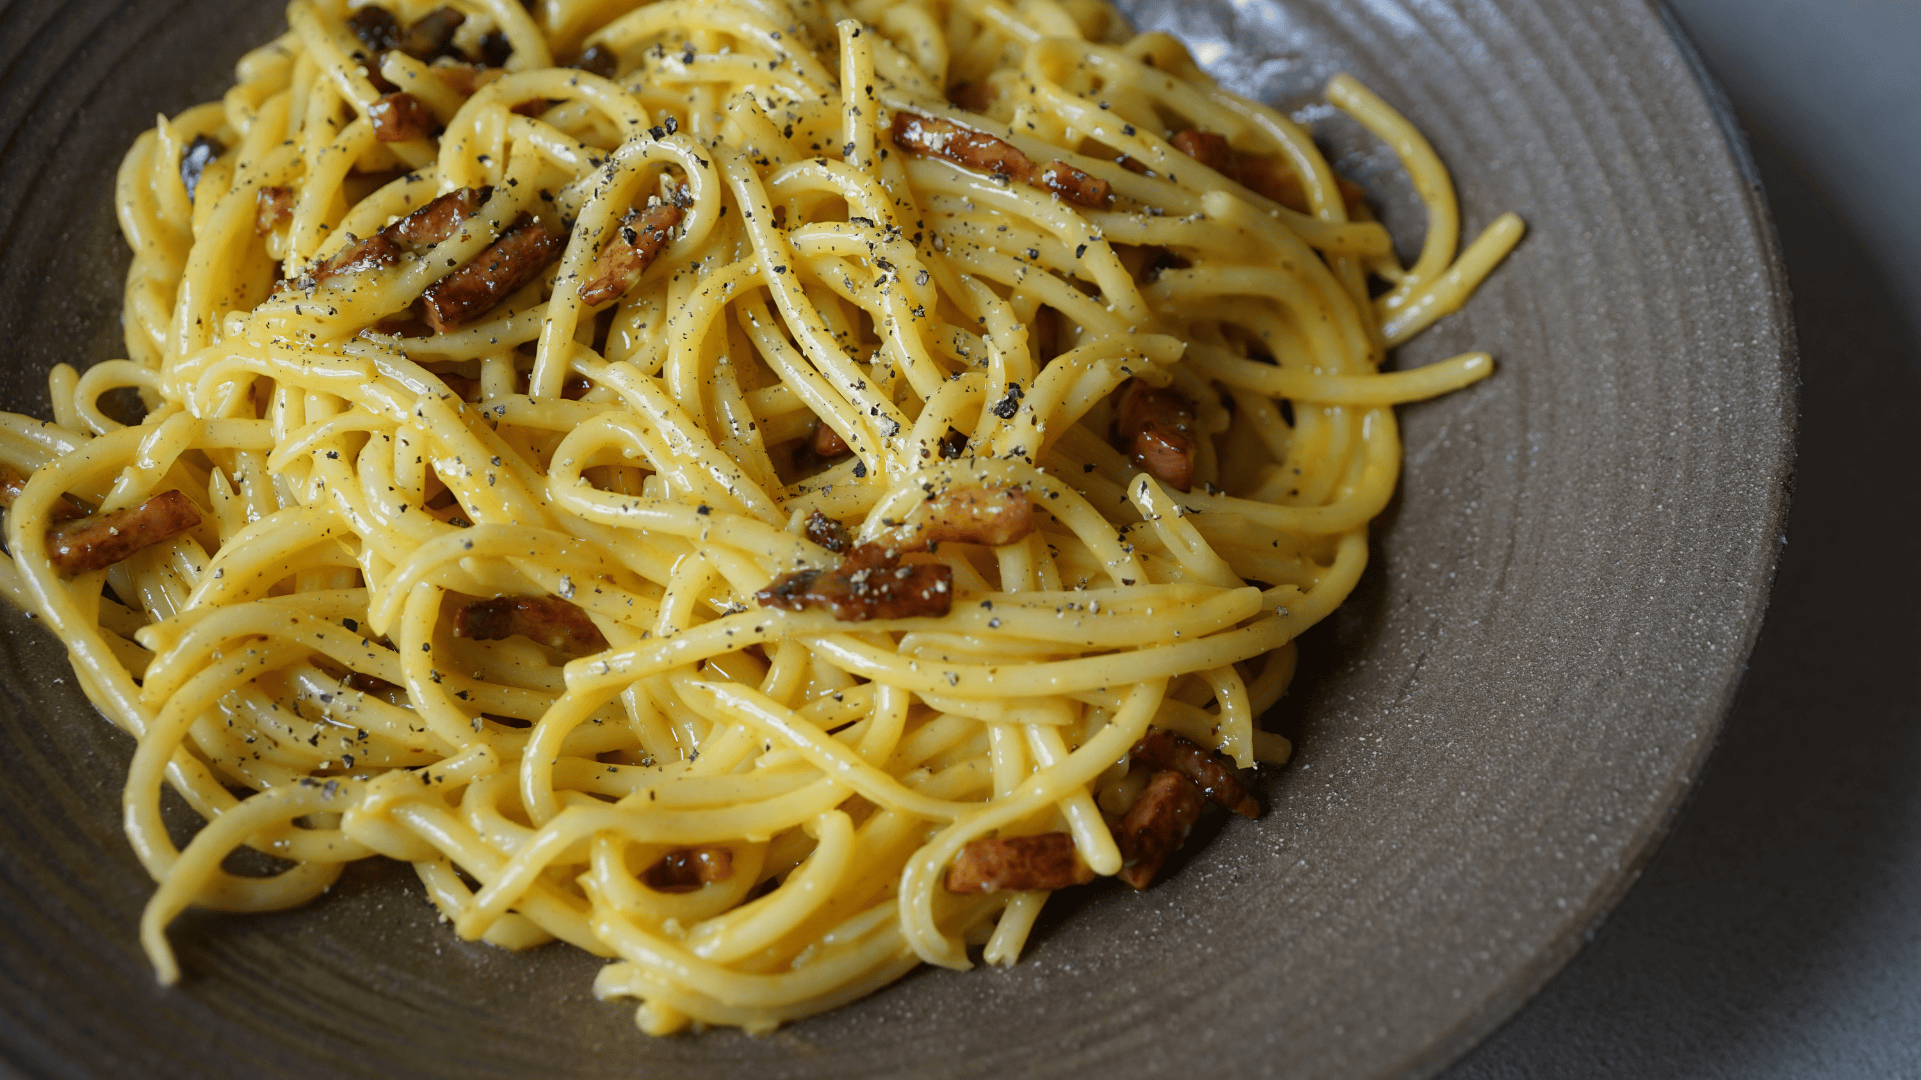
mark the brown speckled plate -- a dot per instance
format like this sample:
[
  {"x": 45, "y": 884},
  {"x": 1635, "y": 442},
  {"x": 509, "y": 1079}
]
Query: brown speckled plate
[{"x": 1493, "y": 733}]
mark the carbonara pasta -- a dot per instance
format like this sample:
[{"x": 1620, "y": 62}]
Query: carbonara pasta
[{"x": 760, "y": 490}]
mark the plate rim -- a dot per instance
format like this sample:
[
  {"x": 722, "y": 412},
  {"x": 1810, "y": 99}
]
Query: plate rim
[{"x": 1530, "y": 978}]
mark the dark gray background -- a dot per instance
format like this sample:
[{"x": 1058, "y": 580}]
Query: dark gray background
[{"x": 1777, "y": 933}]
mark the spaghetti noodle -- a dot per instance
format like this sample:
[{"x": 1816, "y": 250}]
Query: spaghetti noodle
[{"x": 762, "y": 503}]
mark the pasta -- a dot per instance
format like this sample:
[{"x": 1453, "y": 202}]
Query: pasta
[{"x": 759, "y": 490}]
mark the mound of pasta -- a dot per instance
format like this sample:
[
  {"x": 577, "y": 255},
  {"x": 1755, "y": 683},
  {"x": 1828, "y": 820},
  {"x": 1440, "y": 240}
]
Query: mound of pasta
[{"x": 762, "y": 491}]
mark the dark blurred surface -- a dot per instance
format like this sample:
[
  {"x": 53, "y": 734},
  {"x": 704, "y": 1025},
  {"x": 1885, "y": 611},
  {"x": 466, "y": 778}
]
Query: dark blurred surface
[{"x": 1778, "y": 931}]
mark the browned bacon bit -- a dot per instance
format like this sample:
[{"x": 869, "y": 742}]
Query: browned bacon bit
[
  {"x": 871, "y": 584},
  {"x": 402, "y": 325},
  {"x": 982, "y": 152},
  {"x": 979, "y": 515},
  {"x": 633, "y": 249},
  {"x": 424, "y": 227},
  {"x": 466, "y": 79},
  {"x": 825, "y": 443},
  {"x": 1276, "y": 179},
  {"x": 1078, "y": 187},
  {"x": 549, "y": 620},
  {"x": 953, "y": 444},
  {"x": 375, "y": 251},
  {"x": 599, "y": 60},
  {"x": 12, "y": 484},
  {"x": 376, "y": 28},
  {"x": 400, "y": 117},
  {"x": 1018, "y": 864},
  {"x": 517, "y": 258},
  {"x": 1207, "y": 148},
  {"x": 98, "y": 542},
  {"x": 439, "y": 218},
  {"x": 1210, "y": 769},
  {"x": 1131, "y": 165},
  {"x": 271, "y": 206},
  {"x": 687, "y": 869},
  {"x": 965, "y": 147},
  {"x": 1156, "y": 825},
  {"x": 1269, "y": 176},
  {"x": 195, "y": 158},
  {"x": 432, "y": 34},
  {"x": 827, "y": 532},
  {"x": 1156, "y": 427}
]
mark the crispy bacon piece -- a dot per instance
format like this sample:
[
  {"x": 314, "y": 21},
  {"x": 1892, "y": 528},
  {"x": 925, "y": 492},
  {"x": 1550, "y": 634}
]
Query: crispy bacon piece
[
  {"x": 1213, "y": 771},
  {"x": 517, "y": 258},
  {"x": 439, "y": 218},
  {"x": 975, "y": 97},
  {"x": 95, "y": 543},
  {"x": 195, "y": 158},
  {"x": 1018, "y": 864},
  {"x": 1156, "y": 825},
  {"x": 432, "y": 34},
  {"x": 1269, "y": 176},
  {"x": 977, "y": 515},
  {"x": 870, "y": 584},
  {"x": 375, "y": 251},
  {"x": 427, "y": 39},
  {"x": 687, "y": 869},
  {"x": 549, "y": 620},
  {"x": 12, "y": 484},
  {"x": 965, "y": 147},
  {"x": 826, "y": 443},
  {"x": 401, "y": 117},
  {"x": 1167, "y": 454},
  {"x": 466, "y": 79},
  {"x": 1074, "y": 185},
  {"x": 1207, "y": 148},
  {"x": 402, "y": 324},
  {"x": 1156, "y": 427},
  {"x": 271, "y": 206},
  {"x": 628, "y": 255},
  {"x": 982, "y": 152},
  {"x": 828, "y": 533},
  {"x": 425, "y": 227},
  {"x": 1275, "y": 179},
  {"x": 599, "y": 60}
]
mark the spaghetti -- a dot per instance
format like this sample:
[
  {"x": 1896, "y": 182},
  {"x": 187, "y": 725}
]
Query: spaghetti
[{"x": 763, "y": 503}]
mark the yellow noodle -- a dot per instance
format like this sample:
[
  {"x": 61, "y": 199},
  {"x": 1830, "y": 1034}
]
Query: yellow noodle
[{"x": 637, "y": 459}]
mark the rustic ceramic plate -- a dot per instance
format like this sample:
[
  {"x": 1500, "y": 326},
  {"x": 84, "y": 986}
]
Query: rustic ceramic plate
[{"x": 1493, "y": 733}]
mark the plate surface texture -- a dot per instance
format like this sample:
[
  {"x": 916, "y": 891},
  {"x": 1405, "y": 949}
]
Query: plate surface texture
[{"x": 1491, "y": 735}]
